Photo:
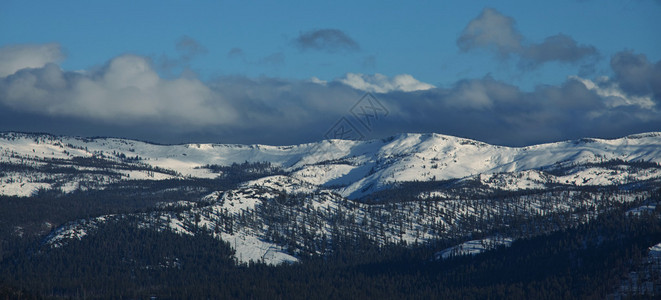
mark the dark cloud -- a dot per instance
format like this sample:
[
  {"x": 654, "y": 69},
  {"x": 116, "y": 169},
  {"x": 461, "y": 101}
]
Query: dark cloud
[
  {"x": 127, "y": 98},
  {"x": 480, "y": 94},
  {"x": 636, "y": 75},
  {"x": 274, "y": 59},
  {"x": 491, "y": 30},
  {"x": 572, "y": 96},
  {"x": 496, "y": 32},
  {"x": 496, "y": 112},
  {"x": 236, "y": 53},
  {"x": 560, "y": 48},
  {"x": 329, "y": 40},
  {"x": 187, "y": 49}
]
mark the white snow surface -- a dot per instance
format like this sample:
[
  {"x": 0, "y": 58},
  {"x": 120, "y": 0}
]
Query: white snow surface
[
  {"x": 474, "y": 247},
  {"x": 234, "y": 216},
  {"x": 328, "y": 173},
  {"x": 656, "y": 250},
  {"x": 641, "y": 209},
  {"x": 351, "y": 168}
]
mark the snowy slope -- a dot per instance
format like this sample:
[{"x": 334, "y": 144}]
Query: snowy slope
[
  {"x": 276, "y": 218},
  {"x": 474, "y": 247},
  {"x": 351, "y": 168},
  {"x": 318, "y": 196}
]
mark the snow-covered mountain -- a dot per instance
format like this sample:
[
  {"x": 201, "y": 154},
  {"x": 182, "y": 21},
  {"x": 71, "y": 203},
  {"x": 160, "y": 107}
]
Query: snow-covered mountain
[
  {"x": 274, "y": 219},
  {"x": 301, "y": 199},
  {"x": 353, "y": 169}
]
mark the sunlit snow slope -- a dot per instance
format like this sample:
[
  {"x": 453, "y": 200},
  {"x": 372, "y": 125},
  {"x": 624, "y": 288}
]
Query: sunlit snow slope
[{"x": 351, "y": 168}]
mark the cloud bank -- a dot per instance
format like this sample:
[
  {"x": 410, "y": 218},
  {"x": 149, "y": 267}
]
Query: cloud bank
[
  {"x": 126, "y": 89},
  {"x": 128, "y": 98}
]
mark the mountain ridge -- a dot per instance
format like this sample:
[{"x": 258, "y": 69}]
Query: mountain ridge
[
  {"x": 356, "y": 168},
  {"x": 390, "y": 137},
  {"x": 280, "y": 203}
]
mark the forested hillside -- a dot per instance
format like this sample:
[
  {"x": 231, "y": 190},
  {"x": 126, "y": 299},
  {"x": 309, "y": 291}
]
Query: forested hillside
[{"x": 411, "y": 216}]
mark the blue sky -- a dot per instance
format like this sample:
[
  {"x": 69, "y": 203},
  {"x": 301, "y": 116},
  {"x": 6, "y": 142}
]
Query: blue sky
[{"x": 284, "y": 72}]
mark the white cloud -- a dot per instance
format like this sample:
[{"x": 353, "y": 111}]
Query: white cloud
[
  {"x": 613, "y": 95},
  {"x": 316, "y": 80},
  {"x": 379, "y": 83},
  {"x": 17, "y": 57},
  {"x": 127, "y": 89}
]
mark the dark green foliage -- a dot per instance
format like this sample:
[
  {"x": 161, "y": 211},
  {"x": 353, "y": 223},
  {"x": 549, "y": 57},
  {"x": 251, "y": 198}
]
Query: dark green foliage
[
  {"x": 245, "y": 171},
  {"x": 119, "y": 260},
  {"x": 560, "y": 168},
  {"x": 10, "y": 292},
  {"x": 56, "y": 208}
]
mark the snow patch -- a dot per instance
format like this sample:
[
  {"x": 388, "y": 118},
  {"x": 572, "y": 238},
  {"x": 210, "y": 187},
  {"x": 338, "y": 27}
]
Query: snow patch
[{"x": 474, "y": 247}]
